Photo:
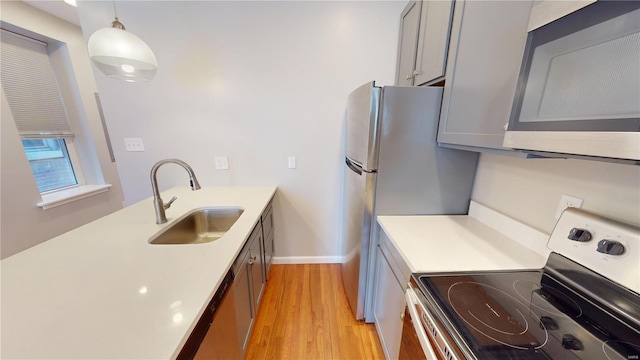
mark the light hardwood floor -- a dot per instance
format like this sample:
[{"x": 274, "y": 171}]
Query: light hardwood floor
[{"x": 304, "y": 314}]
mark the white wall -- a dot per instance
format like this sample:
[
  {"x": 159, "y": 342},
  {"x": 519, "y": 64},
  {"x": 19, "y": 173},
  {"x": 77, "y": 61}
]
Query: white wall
[
  {"x": 23, "y": 224},
  {"x": 257, "y": 82},
  {"x": 529, "y": 190}
]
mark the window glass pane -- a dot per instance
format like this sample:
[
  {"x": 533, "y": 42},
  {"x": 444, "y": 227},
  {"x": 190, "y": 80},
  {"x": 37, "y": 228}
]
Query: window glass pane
[{"x": 50, "y": 163}]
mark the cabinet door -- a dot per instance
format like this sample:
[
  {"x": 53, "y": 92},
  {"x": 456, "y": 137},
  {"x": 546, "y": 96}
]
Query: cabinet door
[
  {"x": 268, "y": 254},
  {"x": 388, "y": 307},
  {"x": 433, "y": 41},
  {"x": 256, "y": 268},
  {"x": 409, "y": 26},
  {"x": 242, "y": 297},
  {"x": 487, "y": 44},
  {"x": 267, "y": 234}
]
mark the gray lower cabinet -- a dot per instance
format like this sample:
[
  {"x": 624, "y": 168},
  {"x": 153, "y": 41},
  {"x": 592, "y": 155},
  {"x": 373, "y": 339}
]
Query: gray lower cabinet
[
  {"x": 256, "y": 267},
  {"x": 268, "y": 239},
  {"x": 487, "y": 44},
  {"x": 424, "y": 38},
  {"x": 249, "y": 284},
  {"x": 392, "y": 277},
  {"x": 242, "y": 296},
  {"x": 247, "y": 281}
]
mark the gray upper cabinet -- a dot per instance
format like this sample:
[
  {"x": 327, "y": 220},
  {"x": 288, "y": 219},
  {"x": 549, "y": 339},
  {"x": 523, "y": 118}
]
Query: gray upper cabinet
[
  {"x": 424, "y": 38},
  {"x": 433, "y": 41},
  {"x": 487, "y": 44},
  {"x": 409, "y": 26}
]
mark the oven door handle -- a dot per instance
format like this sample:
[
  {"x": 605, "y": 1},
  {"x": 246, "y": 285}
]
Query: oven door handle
[{"x": 412, "y": 302}]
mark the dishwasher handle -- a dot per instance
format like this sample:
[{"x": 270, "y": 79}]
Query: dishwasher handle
[{"x": 412, "y": 302}]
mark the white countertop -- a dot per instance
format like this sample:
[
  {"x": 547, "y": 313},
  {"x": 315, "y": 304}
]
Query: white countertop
[
  {"x": 440, "y": 243},
  {"x": 102, "y": 291}
]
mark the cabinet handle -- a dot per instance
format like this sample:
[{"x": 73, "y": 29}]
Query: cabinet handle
[
  {"x": 252, "y": 259},
  {"x": 412, "y": 75}
]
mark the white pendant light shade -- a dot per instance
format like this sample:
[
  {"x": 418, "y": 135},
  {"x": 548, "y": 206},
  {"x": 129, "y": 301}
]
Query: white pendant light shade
[{"x": 122, "y": 55}]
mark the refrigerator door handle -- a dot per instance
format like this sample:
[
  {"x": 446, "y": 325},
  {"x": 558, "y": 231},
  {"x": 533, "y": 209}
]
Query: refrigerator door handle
[{"x": 357, "y": 168}]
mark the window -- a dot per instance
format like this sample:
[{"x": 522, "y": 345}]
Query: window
[
  {"x": 31, "y": 88},
  {"x": 50, "y": 163},
  {"x": 36, "y": 84}
]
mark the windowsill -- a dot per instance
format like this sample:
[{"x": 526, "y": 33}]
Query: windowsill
[{"x": 70, "y": 195}]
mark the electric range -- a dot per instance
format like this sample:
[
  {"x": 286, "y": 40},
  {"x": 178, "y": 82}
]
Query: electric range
[{"x": 584, "y": 304}]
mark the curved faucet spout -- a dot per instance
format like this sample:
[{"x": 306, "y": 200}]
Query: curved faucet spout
[{"x": 159, "y": 205}]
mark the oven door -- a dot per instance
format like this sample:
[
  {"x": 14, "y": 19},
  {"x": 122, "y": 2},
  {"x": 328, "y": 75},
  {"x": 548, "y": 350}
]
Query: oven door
[{"x": 415, "y": 342}]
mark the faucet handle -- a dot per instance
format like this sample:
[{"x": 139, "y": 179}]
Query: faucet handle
[{"x": 168, "y": 204}]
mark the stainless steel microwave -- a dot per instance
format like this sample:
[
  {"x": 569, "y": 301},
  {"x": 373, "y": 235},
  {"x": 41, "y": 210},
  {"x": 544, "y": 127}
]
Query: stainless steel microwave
[{"x": 579, "y": 86}]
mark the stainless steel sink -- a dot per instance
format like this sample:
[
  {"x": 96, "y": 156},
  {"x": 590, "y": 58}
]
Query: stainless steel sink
[{"x": 199, "y": 226}]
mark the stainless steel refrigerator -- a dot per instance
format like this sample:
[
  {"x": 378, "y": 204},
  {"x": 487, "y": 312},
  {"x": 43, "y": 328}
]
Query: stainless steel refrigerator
[{"x": 394, "y": 167}]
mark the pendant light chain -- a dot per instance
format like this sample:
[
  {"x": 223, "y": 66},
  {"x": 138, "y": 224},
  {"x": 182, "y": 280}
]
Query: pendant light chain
[{"x": 114, "y": 9}]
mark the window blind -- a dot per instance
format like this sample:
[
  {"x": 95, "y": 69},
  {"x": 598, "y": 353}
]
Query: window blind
[{"x": 31, "y": 88}]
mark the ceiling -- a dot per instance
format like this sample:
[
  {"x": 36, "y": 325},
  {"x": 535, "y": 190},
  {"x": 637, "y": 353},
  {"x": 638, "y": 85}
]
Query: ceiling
[{"x": 57, "y": 8}]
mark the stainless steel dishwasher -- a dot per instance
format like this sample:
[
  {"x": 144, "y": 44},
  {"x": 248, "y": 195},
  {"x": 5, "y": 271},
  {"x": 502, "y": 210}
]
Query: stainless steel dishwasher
[
  {"x": 221, "y": 340},
  {"x": 215, "y": 336}
]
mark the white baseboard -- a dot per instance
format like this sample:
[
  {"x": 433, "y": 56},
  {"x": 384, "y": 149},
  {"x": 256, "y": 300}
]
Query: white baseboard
[{"x": 307, "y": 259}]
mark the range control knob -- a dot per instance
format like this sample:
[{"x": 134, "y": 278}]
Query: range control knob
[
  {"x": 548, "y": 323},
  {"x": 571, "y": 342},
  {"x": 610, "y": 247},
  {"x": 581, "y": 235}
]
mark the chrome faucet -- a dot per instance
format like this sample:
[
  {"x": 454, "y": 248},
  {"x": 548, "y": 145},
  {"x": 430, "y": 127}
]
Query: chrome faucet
[{"x": 160, "y": 206}]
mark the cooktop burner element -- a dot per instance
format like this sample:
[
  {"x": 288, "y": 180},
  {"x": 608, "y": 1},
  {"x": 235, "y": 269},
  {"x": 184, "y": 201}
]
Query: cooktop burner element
[
  {"x": 495, "y": 316},
  {"x": 584, "y": 304},
  {"x": 491, "y": 316}
]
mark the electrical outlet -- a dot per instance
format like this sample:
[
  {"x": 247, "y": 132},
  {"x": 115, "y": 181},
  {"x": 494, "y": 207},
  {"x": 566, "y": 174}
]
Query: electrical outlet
[
  {"x": 222, "y": 163},
  {"x": 133, "y": 144},
  {"x": 567, "y": 201}
]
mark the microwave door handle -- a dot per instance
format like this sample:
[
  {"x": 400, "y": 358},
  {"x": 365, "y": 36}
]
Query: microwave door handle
[{"x": 412, "y": 301}]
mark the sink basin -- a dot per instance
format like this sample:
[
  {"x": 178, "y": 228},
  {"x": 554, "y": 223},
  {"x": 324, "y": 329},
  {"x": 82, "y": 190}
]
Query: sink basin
[{"x": 199, "y": 226}]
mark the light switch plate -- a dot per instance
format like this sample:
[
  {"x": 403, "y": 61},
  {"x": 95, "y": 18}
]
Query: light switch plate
[
  {"x": 222, "y": 163},
  {"x": 292, "y": 162},
  {"x": 133, "y": 144}
]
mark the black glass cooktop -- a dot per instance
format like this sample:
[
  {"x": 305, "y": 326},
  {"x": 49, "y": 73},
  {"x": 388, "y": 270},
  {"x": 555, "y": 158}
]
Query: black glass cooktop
[{"x": 530, "y": 315}]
